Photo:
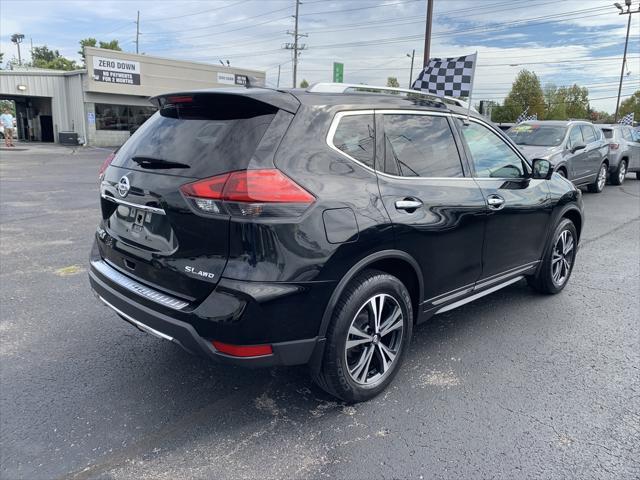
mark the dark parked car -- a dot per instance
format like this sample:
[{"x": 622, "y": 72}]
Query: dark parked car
[
  {"x": 624, "y": 151},
  {"x": 261, "y": 227},
  {"x": 576, "y": 149}
]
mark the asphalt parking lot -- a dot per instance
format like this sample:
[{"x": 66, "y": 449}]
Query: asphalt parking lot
[{"x": 514, "y": 385}]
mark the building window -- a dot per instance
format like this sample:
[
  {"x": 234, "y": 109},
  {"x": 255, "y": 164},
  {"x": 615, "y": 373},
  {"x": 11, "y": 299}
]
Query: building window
[{"x": 121, "y": 117}]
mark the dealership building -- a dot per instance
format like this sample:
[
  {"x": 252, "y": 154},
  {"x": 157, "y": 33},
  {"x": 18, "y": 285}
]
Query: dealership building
[{"x": 101, "y": 104}]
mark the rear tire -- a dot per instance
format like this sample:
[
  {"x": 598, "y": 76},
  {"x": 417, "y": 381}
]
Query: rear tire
[
  {"x": 562, "y": 172},
  {"x": 558, "y": 261},
  {"x": 364, "y": 349},
  {"x": 601, "y": 179},
  {"x": 617, "y": 177}
]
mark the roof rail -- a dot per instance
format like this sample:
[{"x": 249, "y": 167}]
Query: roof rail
[{"x": 346, "y": 87}]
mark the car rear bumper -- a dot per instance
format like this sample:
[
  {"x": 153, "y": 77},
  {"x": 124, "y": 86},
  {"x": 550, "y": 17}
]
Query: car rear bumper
[{"x": 168, "y": 327}]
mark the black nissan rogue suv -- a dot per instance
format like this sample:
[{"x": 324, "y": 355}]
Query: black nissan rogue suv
[{"x": 267, "y": 227}]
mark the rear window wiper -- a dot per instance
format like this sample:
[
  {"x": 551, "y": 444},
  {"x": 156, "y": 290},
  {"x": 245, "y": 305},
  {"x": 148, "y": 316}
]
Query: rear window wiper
[{"x": 157, "y": 163}]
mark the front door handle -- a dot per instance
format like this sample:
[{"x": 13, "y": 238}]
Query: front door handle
[
  {"x": 495, "y": 202},
  {"x": 408, "y": 204}
]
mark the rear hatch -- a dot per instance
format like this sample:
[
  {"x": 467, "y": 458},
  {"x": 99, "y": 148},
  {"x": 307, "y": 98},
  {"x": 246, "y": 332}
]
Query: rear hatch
[{"x": 150, "y": 230}]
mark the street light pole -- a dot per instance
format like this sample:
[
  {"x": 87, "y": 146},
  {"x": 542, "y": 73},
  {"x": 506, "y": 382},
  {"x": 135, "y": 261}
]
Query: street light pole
[
  {"x": 17, "y": 39},
  {"x": 427, "y": 33},
  {"x": 624, "y": 56},
  {"x": 413, "y": 54}
]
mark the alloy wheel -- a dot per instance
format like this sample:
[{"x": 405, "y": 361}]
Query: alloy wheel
[
  {"x": 562, "y": 257},
  {"x": 602, "y": 177},
  {"x": 374, "y": 339},
  {"x": 622, "y": 172}
]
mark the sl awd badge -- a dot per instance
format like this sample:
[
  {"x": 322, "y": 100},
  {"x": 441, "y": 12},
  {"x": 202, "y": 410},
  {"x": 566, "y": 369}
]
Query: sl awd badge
[
  {"x": 201, "y": 273},
  {"x": 123, "y": 186}
]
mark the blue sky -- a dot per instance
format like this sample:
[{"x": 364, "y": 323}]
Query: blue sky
[{"x": 563, "y": 41}]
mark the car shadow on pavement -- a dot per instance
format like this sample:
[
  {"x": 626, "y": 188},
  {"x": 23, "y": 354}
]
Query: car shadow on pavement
[{"x": 187, "y": 403}]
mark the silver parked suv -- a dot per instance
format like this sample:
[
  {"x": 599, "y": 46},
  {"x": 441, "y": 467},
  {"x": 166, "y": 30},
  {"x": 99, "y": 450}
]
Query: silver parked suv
[
  {"x": 624, "y": 151},
  {"x": 576, "y": 149}
]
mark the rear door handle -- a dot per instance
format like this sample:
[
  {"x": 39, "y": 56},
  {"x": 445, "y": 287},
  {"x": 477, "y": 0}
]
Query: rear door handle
[
  {"x": 495, "y": 202},
  {"x": 408, "y": 204}
]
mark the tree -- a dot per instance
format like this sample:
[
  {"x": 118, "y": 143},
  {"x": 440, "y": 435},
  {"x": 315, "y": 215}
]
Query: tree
[
  {"x": 112, "y": 45},
  {"x": 86, "y": 42},
  {"x": 42, "y": 57},
  {"x": 1, "y": 57},
  {"x": 304, "y": 83},
  {"x": 526, "y": 92},
  {"x": 393, "y": 82},
  {"x": 631, "y": 104},
  {"x": 555, "y": 107},
  {"x": 92, "y": 42},
  {"x": 576, "y": 101}
]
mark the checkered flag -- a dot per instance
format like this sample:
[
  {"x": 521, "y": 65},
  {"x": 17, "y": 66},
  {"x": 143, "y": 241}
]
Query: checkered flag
[
  {"x": 451, "y": 77},
  {"x": 531, "y": 117},
  {"x": 627, "y": 119},
  {"x": 523, "y": 116}
]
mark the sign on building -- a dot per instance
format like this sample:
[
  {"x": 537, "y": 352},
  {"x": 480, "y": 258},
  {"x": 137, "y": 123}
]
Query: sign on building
[
  {"x": 231, "y": 78},
  {"x": 338, "y": 72},
  {"x": 113, "y": 70}
]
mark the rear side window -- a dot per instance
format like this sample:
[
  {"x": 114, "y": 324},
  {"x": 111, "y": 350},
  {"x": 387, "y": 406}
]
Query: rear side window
[
  {"x": 608, "y": 133},
  {"x": 355, "y": 136},
  {"x": 588, "y": 133},
  {"x": 626, "y": 134},
  {"x": 420, "y": 146},
  {"x": 208, "y": 136}
]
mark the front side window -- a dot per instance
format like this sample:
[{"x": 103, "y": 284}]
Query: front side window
[
  {"x": 420, "y": 146},
  {"x": 588, "y": 133},
  {"x": 575, "y": 137},
  {"x": 626, "y": 134},
  {"x": 491, "y": 156},
  {"x": 121, "y": 117},
  {"x": 355, "y": 136}
]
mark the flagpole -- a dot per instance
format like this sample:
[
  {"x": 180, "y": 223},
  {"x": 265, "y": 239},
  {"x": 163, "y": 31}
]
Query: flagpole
[{"x": 473, "y": 80}]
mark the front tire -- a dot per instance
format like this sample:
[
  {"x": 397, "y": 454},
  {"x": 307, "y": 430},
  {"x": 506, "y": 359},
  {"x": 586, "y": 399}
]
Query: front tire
[
  {"x": 557, "y": 264},
  {"x": 617, "y": 177},
  {"x": 601, "y": 179},
  {"x": 367, "y": 337}
]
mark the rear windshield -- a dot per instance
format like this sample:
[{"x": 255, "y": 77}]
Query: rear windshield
[
  {"x": 608, "y": 133},
  {"x": 537, "y": 135},
  {"x": 199, "y": 138}
]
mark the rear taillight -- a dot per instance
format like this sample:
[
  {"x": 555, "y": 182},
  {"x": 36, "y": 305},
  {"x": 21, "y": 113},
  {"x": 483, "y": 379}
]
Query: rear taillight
[
  {"x": 614, "y": 146},
  {"x": 243, "y": 350},
  {"x": 249, "y": 193},
  {"x": 105, "y": 165}
]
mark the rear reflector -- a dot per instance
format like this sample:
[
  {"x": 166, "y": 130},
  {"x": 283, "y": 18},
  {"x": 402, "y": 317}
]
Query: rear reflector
[
  {"x": 251, "y": 186},
  {"x": 243, "y": 350}
]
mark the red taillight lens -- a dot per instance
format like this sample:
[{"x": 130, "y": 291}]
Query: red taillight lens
[
  {"x": 614, "y": 146},
  {"x": 249, "y": 193},
  {"x": 208, "y": 188},
  {"x": 105, "y": 164},
  {"x": 260, "y": 186},
  {"x": 264, "y": 186},
  {"x": 243, "y": 350},
  {"x": 180, "y": 99}
]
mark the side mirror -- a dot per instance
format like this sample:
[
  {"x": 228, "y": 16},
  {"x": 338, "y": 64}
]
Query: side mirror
[
  {"x": 542, "y": 169},
  {"x": 579, "y": 146}
]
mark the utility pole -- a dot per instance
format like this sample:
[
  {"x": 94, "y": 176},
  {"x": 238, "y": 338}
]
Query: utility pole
[
  {"x": 138, "y": 31},
  {"x": 295, "y": 46},
  {"x": 413, "y": 54},
  {"x": 626, "y": 43},
  {"x": 427, "y": 33},
  {"x": 278, "y": 84}
]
